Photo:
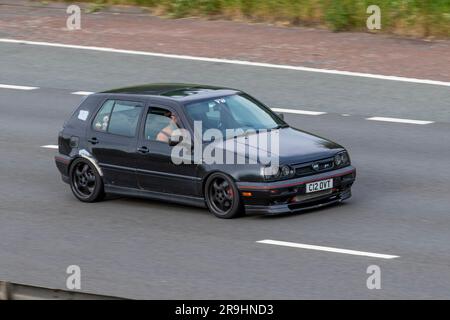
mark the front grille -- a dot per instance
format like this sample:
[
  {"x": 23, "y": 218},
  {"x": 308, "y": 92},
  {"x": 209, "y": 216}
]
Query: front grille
[
  {"x": 303, "y": 171},
  {"x": 310, "y": 168}
]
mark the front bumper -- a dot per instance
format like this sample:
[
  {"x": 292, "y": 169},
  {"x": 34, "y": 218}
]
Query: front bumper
[{"x": 290, "y": 196}]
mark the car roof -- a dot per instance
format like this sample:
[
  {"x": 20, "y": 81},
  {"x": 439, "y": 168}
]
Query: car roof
[{"x": 182, "y": 92}]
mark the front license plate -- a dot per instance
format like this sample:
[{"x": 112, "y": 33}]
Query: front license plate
[{"x": 319, "y": 185}]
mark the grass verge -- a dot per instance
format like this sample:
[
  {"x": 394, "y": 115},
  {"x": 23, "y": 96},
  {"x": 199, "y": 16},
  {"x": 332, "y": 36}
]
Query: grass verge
[{"x": 420, "y": 18}]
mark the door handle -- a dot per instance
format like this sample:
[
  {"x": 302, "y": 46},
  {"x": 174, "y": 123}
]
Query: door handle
[
  {"x": 93, "y": 140},
  {"x": 143, "y": 149}
]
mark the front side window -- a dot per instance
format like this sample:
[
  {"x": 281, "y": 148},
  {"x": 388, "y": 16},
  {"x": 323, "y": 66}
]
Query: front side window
[
  {"x": 118, "y": 117},
  {"x": 160, "y": 124}
]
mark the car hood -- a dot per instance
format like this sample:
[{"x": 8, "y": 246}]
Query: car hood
[{"x": 295, "y": 146}]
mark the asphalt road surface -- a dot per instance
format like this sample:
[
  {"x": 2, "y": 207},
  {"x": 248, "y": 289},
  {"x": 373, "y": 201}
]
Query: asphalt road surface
[{"x": 145, "y": 249}]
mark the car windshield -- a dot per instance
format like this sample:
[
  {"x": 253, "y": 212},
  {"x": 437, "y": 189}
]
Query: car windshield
[{"x": 233, "y": 112}]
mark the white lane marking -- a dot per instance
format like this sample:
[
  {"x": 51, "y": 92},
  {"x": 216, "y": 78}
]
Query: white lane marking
[
  {"x": 305, "y": 112},
  {"x": 50, "y": 146},
  {"x": 14, "y": 87},
  {"x": 397, "y": 120},
  {"x": 82, "y": 93},
  {"x": 293, "y": 111},
  {"x": 328, "y": 249},
  {"x": 230, "y": 61}
]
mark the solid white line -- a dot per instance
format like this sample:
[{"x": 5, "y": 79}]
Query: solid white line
[
  {"x": 305, "y": 112},
  {"x": 229, "y": 61},
  {"x": 82, "y": 93},
  {"x": 328, "y": 249},
  {"x": 50, "y": 146},
  {"x": 397, "y": 120},
  {"x": 14, "y": 87}
]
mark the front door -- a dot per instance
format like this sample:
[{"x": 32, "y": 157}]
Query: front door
[{"x": 155, "y": 169}]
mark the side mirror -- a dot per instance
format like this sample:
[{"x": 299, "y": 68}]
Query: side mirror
[
  {"x": 281, "y": 116},
  {"x": 174, "y": 140}
]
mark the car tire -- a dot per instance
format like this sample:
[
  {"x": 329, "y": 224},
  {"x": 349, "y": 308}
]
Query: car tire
[
  {"x": 85, "y": 181},
  {"x": 222, "y": 196}
]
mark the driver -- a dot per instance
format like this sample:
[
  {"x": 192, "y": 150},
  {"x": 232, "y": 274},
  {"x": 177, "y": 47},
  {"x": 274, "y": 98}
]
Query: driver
[{"x": 167, "y": 131}]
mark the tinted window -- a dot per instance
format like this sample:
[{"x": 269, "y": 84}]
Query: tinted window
[
  {"x": 101, "y": 121},
  {"x": 160, "y": 124},
  {"x": 118, "y": 117}
]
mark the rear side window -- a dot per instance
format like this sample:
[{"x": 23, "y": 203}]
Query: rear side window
[{"x": 118, "y": 117}]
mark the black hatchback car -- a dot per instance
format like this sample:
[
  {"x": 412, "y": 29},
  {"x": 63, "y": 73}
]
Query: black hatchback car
[{"x": 123, "y": 141}]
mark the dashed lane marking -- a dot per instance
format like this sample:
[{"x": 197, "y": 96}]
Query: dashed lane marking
[{"x": 328, "y": 249}]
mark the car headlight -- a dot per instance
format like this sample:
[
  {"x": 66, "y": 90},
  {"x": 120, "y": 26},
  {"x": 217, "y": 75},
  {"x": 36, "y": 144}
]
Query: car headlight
[
  {"x": 342, "y": 159},
  {"x": 276, "y": 172}
]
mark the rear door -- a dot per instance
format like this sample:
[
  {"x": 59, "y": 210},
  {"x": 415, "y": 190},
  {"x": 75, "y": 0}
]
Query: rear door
[{"x": 112, "y": 139}]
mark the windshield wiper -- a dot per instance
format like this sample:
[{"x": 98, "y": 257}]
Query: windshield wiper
[{"x": 281, "y": 126}]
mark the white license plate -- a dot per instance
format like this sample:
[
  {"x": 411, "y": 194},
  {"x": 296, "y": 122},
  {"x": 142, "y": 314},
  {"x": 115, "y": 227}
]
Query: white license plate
[{"x": 319, "y": 185}]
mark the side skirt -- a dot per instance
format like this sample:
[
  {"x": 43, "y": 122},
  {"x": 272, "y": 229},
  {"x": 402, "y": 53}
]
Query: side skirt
[{"x": 181, "y": 199}]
